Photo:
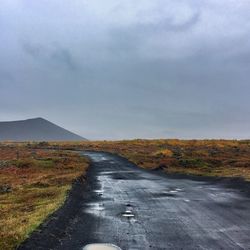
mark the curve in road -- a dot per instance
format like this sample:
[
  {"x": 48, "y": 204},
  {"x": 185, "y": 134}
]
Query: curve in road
[{"x": 132, "y": 208}]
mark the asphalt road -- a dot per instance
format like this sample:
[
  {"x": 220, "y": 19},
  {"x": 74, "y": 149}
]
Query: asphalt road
[{"x": 137, "y": 209}]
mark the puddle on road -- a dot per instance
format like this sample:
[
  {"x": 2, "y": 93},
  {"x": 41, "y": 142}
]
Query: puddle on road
[
  {"x": 166, "y": 194},
  {"x": 99, "y": 192},
  {"x": 128, "y": 212},
  {"x": 94, "y": 208},
  {"x": 97, "y": 158},
  {"x": 173, "y": 191},
  {"x": 127, "y": 175},
  {"x": 170, "y": 192},
  {"x": 101, "y": 246}
]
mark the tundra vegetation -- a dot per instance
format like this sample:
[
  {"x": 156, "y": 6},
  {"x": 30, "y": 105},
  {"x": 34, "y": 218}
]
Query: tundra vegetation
[
  {"x": 222, "y": 158},
  {"x": 33, "y": 184},
  {"x": 34, "y": 181}
]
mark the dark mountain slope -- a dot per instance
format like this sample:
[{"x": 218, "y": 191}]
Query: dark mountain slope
[{"x": 37, "y": 129}]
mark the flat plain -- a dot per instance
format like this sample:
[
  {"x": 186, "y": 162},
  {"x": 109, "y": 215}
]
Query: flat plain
[{"x": 36, "y": 178}]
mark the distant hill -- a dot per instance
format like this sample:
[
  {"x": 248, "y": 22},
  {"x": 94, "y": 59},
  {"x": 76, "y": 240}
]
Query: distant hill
[{"x": 37, "y": 129}]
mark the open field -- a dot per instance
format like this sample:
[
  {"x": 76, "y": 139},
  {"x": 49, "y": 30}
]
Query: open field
[
  {"x": 223, "y": 158},
  {"x": 33, "y": 184}
]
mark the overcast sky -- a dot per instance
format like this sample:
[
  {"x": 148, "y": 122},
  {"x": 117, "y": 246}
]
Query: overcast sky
[{"x": 118, "y": 69}]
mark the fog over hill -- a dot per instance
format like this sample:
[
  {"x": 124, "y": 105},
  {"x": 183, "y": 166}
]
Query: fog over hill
[{"x": 36, "y": 129}]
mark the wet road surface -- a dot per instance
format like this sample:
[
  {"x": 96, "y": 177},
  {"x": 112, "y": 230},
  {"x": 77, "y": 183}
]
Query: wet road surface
[{"x": 137, "y": 209}]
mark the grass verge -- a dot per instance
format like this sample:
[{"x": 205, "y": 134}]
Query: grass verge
[
  {"x": 221, "y": 158},
  {"x": 33, "y": 184}
]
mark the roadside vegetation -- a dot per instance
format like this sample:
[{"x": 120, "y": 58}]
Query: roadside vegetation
[
  {"x": 222, "y": 158},
  {"x": 33, "y": 184},
  {"x": 34, "y": 181}
]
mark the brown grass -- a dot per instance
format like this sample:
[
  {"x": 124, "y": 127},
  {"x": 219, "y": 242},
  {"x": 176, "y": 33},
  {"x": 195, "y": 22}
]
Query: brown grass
[
  {"x": 39, "y": 179},
  {"x": 33, "y": 184},
  {"x": 224, "y": 158}
]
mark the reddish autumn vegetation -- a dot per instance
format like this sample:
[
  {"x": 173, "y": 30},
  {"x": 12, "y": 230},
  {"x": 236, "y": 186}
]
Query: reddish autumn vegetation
[
  {"x": 34, "y": 181},
  {"x": 229, "y": 158},
  {"x": 33, "y": 184}
]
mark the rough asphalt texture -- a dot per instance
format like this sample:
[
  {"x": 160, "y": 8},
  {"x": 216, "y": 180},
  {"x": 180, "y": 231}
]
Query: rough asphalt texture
[{"x": 138, "y": 209}]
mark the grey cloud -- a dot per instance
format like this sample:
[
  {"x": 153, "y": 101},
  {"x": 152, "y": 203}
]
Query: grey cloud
[
  {"x": 130, "y": 37},
  {"x": 167, "y": 24},
  {"x": 52, "y": 54},
  {"x": 35, "y": 51},
  {"x": 120, "y": 69},
  {"x": 5, "y": 78},
  {"x": 63, "y": 56}
]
